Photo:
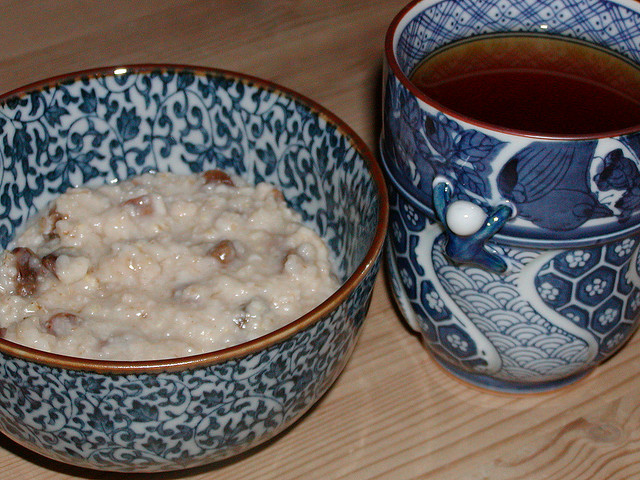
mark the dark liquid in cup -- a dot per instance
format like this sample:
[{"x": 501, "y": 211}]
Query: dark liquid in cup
[{"x": 536, "y": 83}]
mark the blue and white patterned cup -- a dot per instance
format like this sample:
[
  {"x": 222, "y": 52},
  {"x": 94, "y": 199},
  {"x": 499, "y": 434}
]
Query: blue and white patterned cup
[{"x": 514, "y": 254}]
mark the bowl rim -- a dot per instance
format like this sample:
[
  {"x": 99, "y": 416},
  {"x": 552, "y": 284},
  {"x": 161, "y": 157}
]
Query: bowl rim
[{"x": 261, "y": 343}]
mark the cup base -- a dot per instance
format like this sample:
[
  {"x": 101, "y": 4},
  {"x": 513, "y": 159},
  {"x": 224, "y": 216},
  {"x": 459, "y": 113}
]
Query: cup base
[{"x": 491, "y": 384}]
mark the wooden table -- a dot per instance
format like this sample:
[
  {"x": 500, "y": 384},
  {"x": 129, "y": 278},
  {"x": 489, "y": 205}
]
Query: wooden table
[{"x": 393, "y": 413}]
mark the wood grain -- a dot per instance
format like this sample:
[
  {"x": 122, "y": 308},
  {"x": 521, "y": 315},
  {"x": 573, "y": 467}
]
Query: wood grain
[{"x": 393, "y": 414}]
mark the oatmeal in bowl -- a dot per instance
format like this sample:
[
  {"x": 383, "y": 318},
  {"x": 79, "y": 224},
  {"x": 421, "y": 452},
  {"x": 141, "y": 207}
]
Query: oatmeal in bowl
[
  {"x": 161, "y": 265},
  {"x": 159, "y": 309}
]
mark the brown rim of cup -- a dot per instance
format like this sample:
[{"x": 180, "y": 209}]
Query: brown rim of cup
[
  {"x": 392, "y": 62},
  {"x": 243, "y": 349}
]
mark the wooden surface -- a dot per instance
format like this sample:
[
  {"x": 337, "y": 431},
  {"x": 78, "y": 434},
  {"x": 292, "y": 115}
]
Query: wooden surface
[{"x": 393, "y": 413}]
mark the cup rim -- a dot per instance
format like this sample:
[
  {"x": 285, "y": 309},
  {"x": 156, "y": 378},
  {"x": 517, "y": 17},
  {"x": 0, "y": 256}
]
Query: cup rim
[
  {"x": 303, "y": 322},
  {"x": 391, "y": 60}
]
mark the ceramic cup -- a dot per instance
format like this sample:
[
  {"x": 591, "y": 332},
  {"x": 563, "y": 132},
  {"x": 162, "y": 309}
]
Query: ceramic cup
[{"x": 515, "y": 255}]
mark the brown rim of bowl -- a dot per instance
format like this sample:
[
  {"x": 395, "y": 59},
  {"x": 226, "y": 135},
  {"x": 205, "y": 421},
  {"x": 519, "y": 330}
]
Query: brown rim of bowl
[
  {"x": 243, "y": 349},
  {"x": 404, "y": 79}
]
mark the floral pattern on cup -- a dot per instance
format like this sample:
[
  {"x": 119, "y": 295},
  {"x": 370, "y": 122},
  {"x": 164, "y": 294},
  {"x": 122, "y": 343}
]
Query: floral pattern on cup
[
  {"x": 596, "y": 181},
  {"x": 551, "y": 317}
]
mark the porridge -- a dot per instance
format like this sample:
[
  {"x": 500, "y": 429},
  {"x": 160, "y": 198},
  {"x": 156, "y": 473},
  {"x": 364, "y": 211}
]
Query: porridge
[{"x": 159, "y": 266}]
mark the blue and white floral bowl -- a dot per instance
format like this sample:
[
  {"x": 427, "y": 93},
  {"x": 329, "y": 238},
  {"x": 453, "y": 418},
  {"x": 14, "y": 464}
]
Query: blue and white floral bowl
[{"x": 95, "y": 126}]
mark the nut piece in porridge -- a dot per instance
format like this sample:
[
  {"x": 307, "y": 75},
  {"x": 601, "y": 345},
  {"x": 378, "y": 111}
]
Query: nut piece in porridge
[
  {"x": 224, "y": 251},
  {"x": 160, "y": 265}
]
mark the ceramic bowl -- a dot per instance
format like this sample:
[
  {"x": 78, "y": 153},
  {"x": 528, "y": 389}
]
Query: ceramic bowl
[{"x": 96, "y": 126}]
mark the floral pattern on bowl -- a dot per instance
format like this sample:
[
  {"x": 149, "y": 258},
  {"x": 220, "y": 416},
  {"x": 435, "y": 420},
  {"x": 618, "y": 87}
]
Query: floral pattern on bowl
[{"x": 98, "y": 126}]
